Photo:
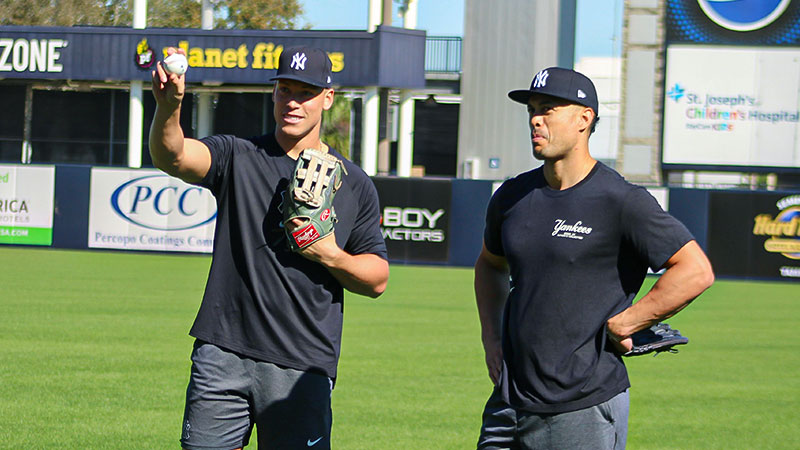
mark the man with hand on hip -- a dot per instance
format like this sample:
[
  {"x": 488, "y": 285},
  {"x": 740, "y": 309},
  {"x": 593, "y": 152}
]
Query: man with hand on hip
[{"x": 566, "y": 249}]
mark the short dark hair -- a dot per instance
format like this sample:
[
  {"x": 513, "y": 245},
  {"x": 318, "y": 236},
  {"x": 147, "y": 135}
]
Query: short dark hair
[{"x": 594, "y": 124}]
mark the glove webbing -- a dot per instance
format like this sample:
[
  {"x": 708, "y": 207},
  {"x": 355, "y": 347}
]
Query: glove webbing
[{"x": 310, "y": 192}]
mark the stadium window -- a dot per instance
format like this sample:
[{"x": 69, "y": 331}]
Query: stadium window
[
  {"x": 12, "y": 121},
  {"x": 71, "y": 127},
  {"x": 243, "y": 114}
]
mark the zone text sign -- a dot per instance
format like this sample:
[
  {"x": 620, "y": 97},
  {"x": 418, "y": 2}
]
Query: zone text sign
[{"x": 34, "y": 55}]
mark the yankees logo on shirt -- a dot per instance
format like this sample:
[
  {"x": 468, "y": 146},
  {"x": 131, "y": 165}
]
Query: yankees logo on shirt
[{"x": 577, "y": 230}]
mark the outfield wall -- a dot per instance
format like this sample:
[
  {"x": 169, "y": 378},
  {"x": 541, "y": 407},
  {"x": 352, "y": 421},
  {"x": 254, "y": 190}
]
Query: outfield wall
[
  {"x": 437, "y": 221},
  {"x": 425, "y": 220},
  {"x": 747, "y": 234}
]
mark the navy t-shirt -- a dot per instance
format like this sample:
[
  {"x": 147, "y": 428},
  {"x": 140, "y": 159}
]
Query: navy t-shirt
[
  {"x": 577, "y": 257},
  {"x": 262, "y": 300}
]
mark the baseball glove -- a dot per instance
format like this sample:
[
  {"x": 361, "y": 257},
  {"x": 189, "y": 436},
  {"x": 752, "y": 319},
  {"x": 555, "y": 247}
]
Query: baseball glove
[
  {"x": 309, "y": 197},
  {"x": 658, "y": 338}
]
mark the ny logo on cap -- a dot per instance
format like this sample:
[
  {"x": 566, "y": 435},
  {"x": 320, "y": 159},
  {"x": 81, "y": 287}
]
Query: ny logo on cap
[
  {"x": 298, "y": 61},
  {"x": 541, "y": 79}
]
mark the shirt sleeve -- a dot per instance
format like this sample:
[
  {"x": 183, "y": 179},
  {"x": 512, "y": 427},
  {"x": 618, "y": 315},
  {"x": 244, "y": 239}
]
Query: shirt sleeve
[
  {"x": 221, "y": 148},
  {"x": 492, "y": 236},
  {"x": 366, "y": 235},
  {"x": 654, "y": 234}
]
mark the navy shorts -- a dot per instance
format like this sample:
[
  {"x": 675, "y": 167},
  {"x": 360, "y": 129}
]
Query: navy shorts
[
  {"x": 601, "y": 427},
  {"x": 228, "y": 394}
]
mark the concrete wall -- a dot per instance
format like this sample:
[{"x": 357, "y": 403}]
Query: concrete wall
[{"x": 505, "y": 44}]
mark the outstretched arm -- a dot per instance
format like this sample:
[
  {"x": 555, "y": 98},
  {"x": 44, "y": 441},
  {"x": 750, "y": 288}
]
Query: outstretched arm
[
  {"x": 187, "y": 159},
  {"x": 491, "y": 292},
  {"x": 688, "y": 273}
]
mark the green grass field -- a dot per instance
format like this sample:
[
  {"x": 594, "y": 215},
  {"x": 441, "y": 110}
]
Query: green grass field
[{"x": 94, "y": 353}]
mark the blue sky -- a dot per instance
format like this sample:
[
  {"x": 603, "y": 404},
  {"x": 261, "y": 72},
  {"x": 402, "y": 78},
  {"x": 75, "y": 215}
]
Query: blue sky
[{"x": 599, "y": 22}]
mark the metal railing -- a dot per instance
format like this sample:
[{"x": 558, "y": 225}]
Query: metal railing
[{"x": 443, "y": 54}]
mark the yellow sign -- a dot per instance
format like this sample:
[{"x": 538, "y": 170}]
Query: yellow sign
[
  {"x": 265, "y": 56},
  {"x": 783, "y": 229}
]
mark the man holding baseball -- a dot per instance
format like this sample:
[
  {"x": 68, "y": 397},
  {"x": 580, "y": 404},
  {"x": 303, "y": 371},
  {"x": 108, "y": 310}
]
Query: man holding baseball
[
  {"x": 566, "y": 249},
  {"x": 268, "y": 331}
]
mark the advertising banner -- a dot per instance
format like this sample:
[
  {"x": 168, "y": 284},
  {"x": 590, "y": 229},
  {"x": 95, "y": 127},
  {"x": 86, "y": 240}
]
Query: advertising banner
[
  {"x": 755, "y": 234},
  {"x": 734, "y": 22},
  {"x": 415, "y": 218},
  {"x": 149, "y": 210},
  {"x": 26, "y": 204},
  {"x": 390, "y": 57},
  {"x": 732, "y": 106}
]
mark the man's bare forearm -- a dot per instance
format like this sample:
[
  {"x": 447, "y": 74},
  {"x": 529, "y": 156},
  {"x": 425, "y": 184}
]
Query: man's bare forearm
[
  {"x": 366, "y": 274},
  {"x": 688, "y": 274},
  {"x": 491, "y": 292},
  {"x": 166, "y": 139}
]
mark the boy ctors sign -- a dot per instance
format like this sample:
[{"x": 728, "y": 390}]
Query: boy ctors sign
[
  {"x": 415, "y": 218},
  {"x": 26, "y": 204}
]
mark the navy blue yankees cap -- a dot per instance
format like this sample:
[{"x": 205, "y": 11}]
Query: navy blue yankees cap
[
  {"x": 562, "y": 83},
  {"x": 307, "y": 64}
]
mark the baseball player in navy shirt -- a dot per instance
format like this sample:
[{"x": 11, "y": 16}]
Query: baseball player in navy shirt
[
  {"x": 269, "y": 329},
  {"x": 566, "y": 249}
]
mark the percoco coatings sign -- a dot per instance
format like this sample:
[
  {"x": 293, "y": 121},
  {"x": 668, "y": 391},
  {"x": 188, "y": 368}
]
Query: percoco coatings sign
[{"x": 148, "y": 210}]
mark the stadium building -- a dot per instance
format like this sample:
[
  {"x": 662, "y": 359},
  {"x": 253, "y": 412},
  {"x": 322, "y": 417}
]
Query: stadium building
[{"x": 701, "y": 106}]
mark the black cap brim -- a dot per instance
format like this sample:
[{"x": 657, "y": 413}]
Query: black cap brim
[
  {"x": 301, "y": 79},
  {"x": 520, "y": 96},
  {"x": 524, "y": 95}
]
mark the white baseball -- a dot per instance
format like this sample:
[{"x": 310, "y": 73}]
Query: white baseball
[{"x": 176, "y": 63}]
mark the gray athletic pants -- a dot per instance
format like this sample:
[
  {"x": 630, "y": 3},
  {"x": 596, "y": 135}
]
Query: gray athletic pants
[
  {"x": 229, "y": 393},
  {"x": 600, "y": 427}
]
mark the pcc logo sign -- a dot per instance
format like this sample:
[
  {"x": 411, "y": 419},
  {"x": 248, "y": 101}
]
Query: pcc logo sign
[
  {"x": 148, "y": 200},
  {"x": 148, "y": 210}
]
